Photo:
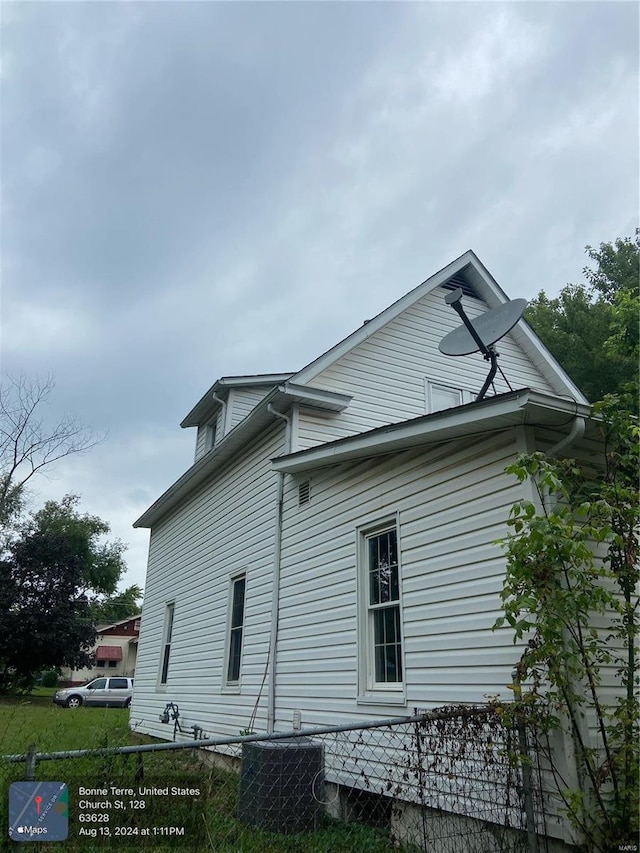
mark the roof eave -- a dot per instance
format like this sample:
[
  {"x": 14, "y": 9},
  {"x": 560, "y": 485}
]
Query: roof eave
[{"x": 506, "y": 410}]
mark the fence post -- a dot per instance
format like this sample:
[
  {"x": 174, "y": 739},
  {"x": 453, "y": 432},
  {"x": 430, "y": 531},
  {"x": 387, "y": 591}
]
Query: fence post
[
  {"x": 30, "y": 776},
  {"x": 527, "y": 786},
  {"x": 30, "y": 770}
]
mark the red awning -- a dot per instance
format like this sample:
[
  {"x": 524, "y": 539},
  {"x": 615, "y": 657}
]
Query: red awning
[{"x": 108, "y": 653}]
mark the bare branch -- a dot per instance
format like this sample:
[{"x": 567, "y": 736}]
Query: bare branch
[{"x": 27, "y": 443}]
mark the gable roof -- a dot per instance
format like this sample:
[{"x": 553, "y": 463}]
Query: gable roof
[
  {"x": 470, "y": 272},
  {"x": 286, "y": 388}
]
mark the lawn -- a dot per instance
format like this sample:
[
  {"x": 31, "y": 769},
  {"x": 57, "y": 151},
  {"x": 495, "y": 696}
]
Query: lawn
[{"x": 209, "y": 820}]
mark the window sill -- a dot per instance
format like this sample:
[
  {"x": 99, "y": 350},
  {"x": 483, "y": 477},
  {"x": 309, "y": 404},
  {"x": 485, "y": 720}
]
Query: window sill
[
  {"x": 230, "y": 688},
  {"x": 382, "y": 699}
]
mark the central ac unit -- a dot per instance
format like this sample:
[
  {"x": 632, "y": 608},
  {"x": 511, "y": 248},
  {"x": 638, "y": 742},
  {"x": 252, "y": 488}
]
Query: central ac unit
[{"x": 281, "y": 785}]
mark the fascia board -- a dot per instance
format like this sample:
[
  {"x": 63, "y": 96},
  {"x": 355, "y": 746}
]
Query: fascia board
[
  {"x": 510, "y": 409},
  {"x": 316, "y": 397}
]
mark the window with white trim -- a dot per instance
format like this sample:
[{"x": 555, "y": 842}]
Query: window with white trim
[
  {"x": 439, "y": 396},
  {"x": 236, "y": 625},
  {"x": 166, "y": 646},
  {"x": 210, "y": 435},
  {"x": 382, "y": 668}
]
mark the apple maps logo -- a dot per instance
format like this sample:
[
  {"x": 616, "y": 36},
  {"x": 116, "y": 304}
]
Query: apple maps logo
[{"x": 38, "y": 811}]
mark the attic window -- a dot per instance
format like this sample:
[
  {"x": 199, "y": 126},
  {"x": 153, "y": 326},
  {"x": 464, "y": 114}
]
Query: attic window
[
  {"x": 210, "y": 439},
  {"x": 304, "y": 493}
]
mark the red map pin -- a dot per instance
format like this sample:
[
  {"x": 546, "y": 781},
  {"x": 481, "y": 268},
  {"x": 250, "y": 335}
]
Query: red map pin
[{"x": 38, "y": 800}]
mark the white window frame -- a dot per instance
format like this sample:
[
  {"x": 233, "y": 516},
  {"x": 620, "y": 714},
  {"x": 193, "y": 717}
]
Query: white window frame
[
  {"x": 371, "y": 691},
  {"x": 464, "y": 395},
  {"x": 167, "y": 640},
  {"x": 230, "y": 685}
]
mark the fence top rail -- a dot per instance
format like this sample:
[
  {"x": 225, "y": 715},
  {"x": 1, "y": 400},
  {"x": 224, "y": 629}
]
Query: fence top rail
[{"x": 436, "y": 714}]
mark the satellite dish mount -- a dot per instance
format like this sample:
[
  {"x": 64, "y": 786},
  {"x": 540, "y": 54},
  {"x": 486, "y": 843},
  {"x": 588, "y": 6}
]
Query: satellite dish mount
[{"x": 482, "y": 333}]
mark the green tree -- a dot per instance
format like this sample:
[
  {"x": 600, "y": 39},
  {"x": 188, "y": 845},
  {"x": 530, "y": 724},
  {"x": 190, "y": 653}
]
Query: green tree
[
  {"x": 119, "y": 606},
  {"x": 592, "y": 329},
  {"x": 571, "y": 590},
  {"x": 55, "y": 572}
]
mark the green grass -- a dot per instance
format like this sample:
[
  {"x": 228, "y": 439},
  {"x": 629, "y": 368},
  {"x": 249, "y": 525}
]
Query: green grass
[{"x": 209, "y": 820}]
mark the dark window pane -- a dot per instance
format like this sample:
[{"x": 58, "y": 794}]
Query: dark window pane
[
  {"x": 235, "y": 630},
  {"x": 235, "y": 650},
  {"x": 165, "y": 664},
  {"x": 238, "y": 603},
  {"x": 394, "y": 592},
  {"x": 387, "y": 645},
  {"x": 374, "y": 587},
  {"x": 169, "y": 623},
  {"x": 383, "y": 550}
]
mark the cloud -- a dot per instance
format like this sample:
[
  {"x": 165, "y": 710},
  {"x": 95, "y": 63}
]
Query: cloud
[{"x": 197, "y": 190}]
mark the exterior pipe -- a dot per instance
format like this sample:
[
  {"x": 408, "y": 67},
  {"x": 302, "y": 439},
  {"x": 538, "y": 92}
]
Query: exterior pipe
[
  {"x": 275, "y": 601},
  {"x": 217, "y": 399},
  {"x": 577, "y": 431}
]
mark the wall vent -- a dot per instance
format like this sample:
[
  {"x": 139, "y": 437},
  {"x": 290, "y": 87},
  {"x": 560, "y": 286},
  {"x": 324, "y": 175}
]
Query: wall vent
[
  {"x": 304, "y": 493},
  {"x": 460, "y": 281}
]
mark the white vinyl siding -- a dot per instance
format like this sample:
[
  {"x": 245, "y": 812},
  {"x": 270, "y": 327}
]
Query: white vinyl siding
[
  {"x": 452, "y": 502},
  {"x": 227, "y": 523},
  {"x": 244, "y": 400},
  {"x": 385, "y": 374},
  {"x": 240, "y": 403},
  {"x": 209, "y": 434}
]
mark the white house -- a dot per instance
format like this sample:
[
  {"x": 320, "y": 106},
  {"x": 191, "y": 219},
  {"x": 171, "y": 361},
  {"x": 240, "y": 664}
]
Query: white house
[{"x": 331, "y": 553}]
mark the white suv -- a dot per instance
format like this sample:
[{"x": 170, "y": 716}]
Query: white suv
[{"x": 112, "y": 692}]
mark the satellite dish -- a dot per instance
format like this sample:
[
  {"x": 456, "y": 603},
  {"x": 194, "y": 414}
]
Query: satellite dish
[
  {"x": 481, "y": 333},
  {"x": 490, "y": 327}
]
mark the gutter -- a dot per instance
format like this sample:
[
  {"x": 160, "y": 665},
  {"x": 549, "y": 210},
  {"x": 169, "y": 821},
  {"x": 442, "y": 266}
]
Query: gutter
[
  {"x": 513, "y": 408},
  {"x": 275, "y": 595}
]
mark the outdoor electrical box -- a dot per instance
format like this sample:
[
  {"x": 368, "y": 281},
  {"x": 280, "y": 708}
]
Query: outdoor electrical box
[{"x": 281, "y": 785}]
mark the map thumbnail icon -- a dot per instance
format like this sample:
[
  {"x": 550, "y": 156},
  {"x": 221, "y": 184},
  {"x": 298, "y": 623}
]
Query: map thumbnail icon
[{"x": 38, "y": 811}]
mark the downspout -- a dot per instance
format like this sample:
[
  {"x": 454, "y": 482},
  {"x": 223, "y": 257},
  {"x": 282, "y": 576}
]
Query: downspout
[
  {"x": 575, "y": 434},
  {"x": 275, "y": 601},
  {"x": 217, "y": 399},
  {"x": 577, "y": 431}
]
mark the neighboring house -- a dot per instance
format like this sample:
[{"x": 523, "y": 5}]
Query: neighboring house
[
  {"x": 115, "y": 652},
  {"x": 331, "y": 552}
]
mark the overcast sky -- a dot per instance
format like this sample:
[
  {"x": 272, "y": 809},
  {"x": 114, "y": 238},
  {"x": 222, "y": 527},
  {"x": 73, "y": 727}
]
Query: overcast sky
[{"x": 194, "y": 190}]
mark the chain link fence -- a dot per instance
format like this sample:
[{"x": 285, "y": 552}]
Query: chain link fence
[{"x": 444, "y": 781}]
